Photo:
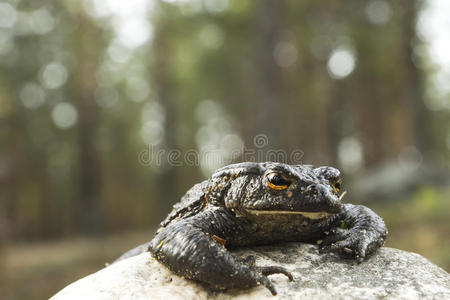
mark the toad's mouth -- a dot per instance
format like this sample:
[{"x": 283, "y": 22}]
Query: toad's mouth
[{"x": 307, "y": 214}]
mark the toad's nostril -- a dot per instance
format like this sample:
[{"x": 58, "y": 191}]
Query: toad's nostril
[{"x": 321, "y": 189}]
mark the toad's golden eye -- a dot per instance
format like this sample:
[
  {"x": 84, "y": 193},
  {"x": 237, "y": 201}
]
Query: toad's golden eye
[
  {"x": 278, "y": 181},
  {"x": 336, "y": 186}
]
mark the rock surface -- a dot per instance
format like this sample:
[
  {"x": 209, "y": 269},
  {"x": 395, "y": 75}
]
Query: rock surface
[{"x": 389, "y": 274}]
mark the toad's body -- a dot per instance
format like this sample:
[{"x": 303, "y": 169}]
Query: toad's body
[{"x": 254, "y": 204}]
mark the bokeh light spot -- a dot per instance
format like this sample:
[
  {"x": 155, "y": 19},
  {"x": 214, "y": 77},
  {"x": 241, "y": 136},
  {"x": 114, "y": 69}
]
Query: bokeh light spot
[
  {"x": 32, "y": 95},
  {"x": 285, "y": 54},
  {"x": 153, "y": 111},
  {"x": 208, "y": 109},
  {"x": 42, "y": 21},
  {"x": 137, "y": 89},
  {"x": 216, "y": 6},
  {"x": 54, "y": 75},
  {"x": 341, "y": 63},
  {"x": 129, "y": 19},
  {"x": 64, "y": 115},
  {"x": 152, "y": 120},
  {"x": 232, "y": 144},
  {"x": 133, "y": 32},
  {"x": 152, "y": 132},
  {"x": 215, "y": 139},
  {"x": 350, "y": 154},
  {"x": 378, "y": 12},
  {"x": 119, "y": 53}
]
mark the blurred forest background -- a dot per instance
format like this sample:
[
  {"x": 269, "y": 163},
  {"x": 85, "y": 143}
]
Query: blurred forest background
[{"x": 92, "y": 92}]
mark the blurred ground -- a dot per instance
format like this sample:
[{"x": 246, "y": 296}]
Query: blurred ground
[{"x": 37, "y": 271}]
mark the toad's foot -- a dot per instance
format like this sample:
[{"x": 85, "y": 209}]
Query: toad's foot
[
  {"x": 361, "y": 234},
  {"x": 346, "y": 244},
  {"x": 265, "y": 271}
]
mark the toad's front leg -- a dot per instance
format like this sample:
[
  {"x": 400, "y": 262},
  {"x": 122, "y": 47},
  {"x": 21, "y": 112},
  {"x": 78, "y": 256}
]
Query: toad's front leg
[
  {"x": 195, "y": 253},
  {"x": 358, "y": 232}
]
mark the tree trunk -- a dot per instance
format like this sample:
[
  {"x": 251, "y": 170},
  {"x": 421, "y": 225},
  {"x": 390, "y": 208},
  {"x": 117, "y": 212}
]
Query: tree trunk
[
  {"x": 90, "y": 214},
  {"x": 168, "y": 184},
  {"x": 267, "y": 73},
  {"x": 413, "y": 91}
]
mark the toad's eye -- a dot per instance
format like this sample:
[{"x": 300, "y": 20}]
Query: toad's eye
[
  {"x": 278, "y": 181},
  {"x": 336, "y": 186}
]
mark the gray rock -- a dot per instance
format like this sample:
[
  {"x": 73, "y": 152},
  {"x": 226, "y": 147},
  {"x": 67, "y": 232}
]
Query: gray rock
[{"x": 389, "y": 274}]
